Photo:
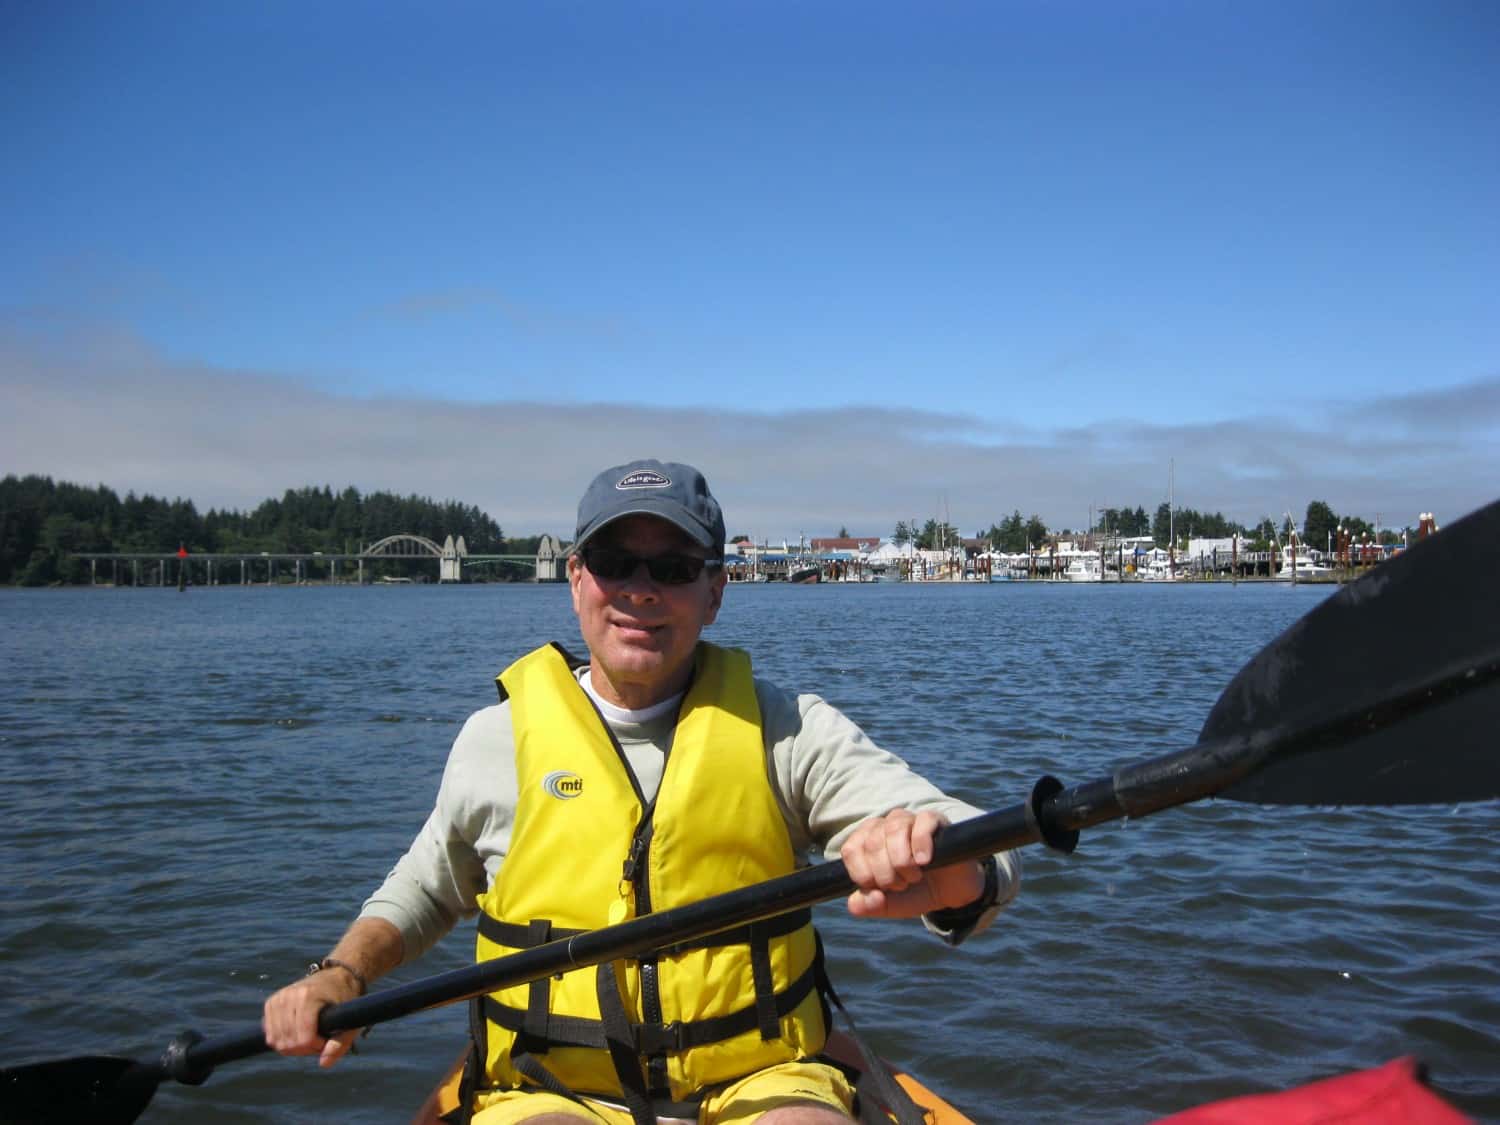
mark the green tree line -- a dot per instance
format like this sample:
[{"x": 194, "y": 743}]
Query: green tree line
[
  {"x": 1016, "y": 533},
  {"x": 43, "y": 522}
]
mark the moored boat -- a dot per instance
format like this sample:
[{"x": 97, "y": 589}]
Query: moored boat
[
  {"x": 1304, "y": 569},
  {"x": 441, "y": 1106}
]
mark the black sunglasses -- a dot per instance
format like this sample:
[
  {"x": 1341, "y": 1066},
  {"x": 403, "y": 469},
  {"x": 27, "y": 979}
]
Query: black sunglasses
[{"x": 670, "y": 569}]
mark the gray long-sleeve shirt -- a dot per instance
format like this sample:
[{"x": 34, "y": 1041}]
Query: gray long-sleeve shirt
[{"x": 827, "y": 775}]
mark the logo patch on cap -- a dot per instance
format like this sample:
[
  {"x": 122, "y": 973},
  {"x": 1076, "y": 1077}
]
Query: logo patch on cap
[{"x": 644, "y": 478}]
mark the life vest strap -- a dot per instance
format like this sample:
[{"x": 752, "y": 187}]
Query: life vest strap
[
  {"x": 538, "y": 1021},
  {"x": 766, "y": 1015},
  {"x": 513, "y": 936},
  {"x": 780, "y": 926},
  {"x": 562, "y": 1031},
  {"x": 544, "y": 1079},
  {"x": 876, "y": 1075},
  {"x": 618, "y": 1032},
  {"x": 650, "y": 1038}
]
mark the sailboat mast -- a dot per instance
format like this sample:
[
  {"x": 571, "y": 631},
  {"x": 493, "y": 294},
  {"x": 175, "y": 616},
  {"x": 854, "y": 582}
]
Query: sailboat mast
[{"x": 1172, "y": 516}]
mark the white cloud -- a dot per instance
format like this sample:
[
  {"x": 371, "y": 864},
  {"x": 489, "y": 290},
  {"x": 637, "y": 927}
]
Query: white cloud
[{"x": 97, "y": 407}]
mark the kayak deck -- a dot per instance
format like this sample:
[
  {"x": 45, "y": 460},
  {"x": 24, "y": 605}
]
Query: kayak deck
[{"x": 841, "y": 1049}]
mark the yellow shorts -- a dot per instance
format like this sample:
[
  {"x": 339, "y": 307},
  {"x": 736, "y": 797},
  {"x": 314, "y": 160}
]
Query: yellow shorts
[{"x": 738, "y": 1103}]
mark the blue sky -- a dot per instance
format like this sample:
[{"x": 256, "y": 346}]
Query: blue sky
[{"x": 862, "y": 262}]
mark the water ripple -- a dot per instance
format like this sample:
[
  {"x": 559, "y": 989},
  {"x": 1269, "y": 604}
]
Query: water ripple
[{"x": 196, "y": 792}]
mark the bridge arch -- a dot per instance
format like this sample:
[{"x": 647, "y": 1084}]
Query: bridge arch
[{"x": 403, "y": 546}]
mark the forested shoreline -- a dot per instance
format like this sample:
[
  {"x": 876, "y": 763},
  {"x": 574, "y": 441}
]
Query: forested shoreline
[{"x": 43, "y": 523}]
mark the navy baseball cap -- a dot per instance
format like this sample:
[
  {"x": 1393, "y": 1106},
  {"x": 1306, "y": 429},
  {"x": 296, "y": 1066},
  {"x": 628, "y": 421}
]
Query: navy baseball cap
[{"x": 674, "y": 492}]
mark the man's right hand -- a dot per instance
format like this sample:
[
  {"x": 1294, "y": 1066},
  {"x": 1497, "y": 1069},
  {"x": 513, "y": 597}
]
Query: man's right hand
[
  {"x": 371, "y": 946},
  {"x": 290, "y": 1020}
]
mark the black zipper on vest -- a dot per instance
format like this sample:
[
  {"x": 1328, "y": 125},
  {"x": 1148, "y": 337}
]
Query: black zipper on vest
[{"x": 637, "y": 871}]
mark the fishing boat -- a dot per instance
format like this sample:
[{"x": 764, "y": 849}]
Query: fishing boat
[
  {"x": 1081, "y": 567},
  {"x": 441, "y": 1106},
  {"x": 1304, "y": 569}
]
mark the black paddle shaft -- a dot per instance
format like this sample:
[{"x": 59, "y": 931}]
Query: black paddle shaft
[{"x": 190, "y": 1059}]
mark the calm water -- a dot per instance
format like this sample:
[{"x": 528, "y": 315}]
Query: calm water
[{"x": 197, "y": 791}]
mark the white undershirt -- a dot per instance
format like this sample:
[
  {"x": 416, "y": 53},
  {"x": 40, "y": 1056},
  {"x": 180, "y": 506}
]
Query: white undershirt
[{"x": 613, "y": 714}]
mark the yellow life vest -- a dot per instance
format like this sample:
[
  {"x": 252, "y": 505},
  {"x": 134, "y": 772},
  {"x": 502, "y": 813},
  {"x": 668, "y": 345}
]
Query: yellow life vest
[{"x": 586, "y": 850}]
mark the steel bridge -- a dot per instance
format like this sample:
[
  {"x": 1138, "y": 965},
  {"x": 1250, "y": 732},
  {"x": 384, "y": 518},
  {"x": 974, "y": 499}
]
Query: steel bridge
[{"x": 452, "y": 556}]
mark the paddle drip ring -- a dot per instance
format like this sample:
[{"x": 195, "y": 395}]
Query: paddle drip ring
[
  {"x": 1058, "y": 839},
  {"x": 177, "y": 1064}
]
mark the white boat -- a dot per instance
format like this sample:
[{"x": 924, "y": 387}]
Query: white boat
[
  {"x": 1082, "y": 568},
  {"x": 1155, "y": 565},
  {"x": 1299, "y": 562},
  {"x": 1301, "y": 569}
]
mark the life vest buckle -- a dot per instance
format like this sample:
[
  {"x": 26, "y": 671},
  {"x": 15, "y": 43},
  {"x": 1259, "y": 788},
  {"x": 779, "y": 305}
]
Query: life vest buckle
[
  {"x": 660, "y": 1038},
  {"x": 634, "y": 858}
]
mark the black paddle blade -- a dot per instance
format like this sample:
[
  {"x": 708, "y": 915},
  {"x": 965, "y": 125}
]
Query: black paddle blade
[
  {"x": 98, "y": 1089},
  {"x": 1396, "y": 677}
]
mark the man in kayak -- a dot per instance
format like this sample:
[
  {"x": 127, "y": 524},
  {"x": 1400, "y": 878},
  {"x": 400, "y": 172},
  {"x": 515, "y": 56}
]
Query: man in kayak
[{"x": 657, "y": 773}]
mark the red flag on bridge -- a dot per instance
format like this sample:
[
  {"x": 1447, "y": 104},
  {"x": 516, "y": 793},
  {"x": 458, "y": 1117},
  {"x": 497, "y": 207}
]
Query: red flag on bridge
[{"x": 181, "y": 551}]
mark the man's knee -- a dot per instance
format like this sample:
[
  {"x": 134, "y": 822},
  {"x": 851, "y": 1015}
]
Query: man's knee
[{"x": 808, "y": 1114}]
